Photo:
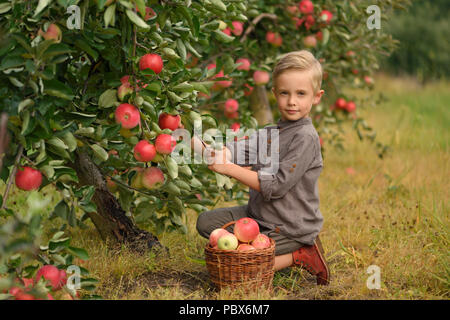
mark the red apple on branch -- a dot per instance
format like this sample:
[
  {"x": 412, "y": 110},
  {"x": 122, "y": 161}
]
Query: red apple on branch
[
  {"x": 165, "y": 143},
  {"x": 340, "y": 103},
  {"x": 168, "y": 121},
  {"x": 28, "y": 179},
  {"x": 52, "y": 274},
  {"x": 245, "y": 64},
  {"x": 237, "y": 28},
  {"x": 144, "y": 151},
  {"x": 306, "y": 6},
  {"x": 53, "y": 33},
  {"x": 151, "y": 61},
  {"x": 152, "y": 178},
  {"x": 231, "y": 105},
  {"x": 127, "y": 115},
  {"x": 261, "y": 77}
]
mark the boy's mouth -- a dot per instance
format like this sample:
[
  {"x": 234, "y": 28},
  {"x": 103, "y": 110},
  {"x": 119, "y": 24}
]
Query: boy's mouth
[{"x": 291, "y": 111}]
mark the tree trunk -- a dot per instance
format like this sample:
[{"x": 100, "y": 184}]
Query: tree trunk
[
  {"x": 259, "y": 104},
  {"x": 110, "y": 219}
]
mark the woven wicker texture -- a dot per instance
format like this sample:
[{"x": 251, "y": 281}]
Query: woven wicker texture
[{"x": 241, "y": 269}]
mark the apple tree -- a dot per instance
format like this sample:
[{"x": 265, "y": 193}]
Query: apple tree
[{"x": 94, "y": 91}]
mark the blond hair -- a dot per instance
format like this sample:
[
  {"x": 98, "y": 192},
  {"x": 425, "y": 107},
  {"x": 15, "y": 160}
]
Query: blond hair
[{"x": 299, "y": 60}]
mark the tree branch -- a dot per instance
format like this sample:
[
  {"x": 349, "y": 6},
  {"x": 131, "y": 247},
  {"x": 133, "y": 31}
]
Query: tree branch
[
  {"x": 12, "y": 176},
  {"x": 255, "y": 22}
]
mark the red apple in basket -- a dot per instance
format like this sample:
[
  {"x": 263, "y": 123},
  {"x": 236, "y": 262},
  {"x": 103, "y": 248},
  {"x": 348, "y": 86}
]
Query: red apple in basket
[
  {"x": 215, "y": 235},
  {"x": 261, "y": 242},
  {"x": 246, "y": 229},
  {"x": 245, "y": 247}
]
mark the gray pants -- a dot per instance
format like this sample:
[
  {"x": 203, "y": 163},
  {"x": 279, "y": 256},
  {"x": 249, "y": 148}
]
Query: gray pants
[{"x": 213, "y": 219}]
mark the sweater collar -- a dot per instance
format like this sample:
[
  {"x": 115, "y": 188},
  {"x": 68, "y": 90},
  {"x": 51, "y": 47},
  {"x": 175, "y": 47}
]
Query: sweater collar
[{"x": 284, "y": 124}]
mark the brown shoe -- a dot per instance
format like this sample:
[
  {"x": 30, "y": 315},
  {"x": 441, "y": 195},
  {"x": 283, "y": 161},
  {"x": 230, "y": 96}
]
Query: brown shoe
[{"x": 311, "y": 258}]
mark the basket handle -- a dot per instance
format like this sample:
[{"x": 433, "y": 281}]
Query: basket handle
[{"x": 228, "y": 224}]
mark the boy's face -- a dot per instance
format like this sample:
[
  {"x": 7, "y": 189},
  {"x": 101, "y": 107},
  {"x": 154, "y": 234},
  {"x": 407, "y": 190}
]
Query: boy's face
[{"x": 295, "y": 94}]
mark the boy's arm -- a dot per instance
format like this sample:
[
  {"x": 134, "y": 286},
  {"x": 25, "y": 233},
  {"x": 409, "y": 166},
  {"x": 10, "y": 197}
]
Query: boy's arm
[{"x": 242, "y": 174}]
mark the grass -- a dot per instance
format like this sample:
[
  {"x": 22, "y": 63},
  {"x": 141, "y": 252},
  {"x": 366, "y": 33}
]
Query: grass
[{"x": 391, "y": 212}]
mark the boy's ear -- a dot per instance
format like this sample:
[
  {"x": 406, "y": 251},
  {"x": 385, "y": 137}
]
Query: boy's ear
[
  {"x": 318, "y": 96},
  {"x": 274, "y": 91}
]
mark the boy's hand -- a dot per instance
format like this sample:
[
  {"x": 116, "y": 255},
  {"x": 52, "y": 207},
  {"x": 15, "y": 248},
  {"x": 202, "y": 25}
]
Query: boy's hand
[{"x": 219, "y": 160}]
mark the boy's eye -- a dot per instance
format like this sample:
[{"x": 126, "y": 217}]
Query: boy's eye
[{"x": 301, "y": 93}]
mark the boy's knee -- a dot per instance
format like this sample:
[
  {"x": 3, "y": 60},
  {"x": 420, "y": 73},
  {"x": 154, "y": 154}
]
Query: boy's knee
[{"x": 202, "y": 224}]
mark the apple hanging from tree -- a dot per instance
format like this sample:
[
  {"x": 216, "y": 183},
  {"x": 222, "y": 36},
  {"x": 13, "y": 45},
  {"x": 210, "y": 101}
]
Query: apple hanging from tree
[
  {"x": 235, "y": 126},
  {"x": 165, "y": 143},
  {"x": 231, "y": 105},
  {"x": 28, "y": 179},
  {"x": 340, "y": 103},
  {"x": 168, "y": 121},
  {"x": 123, "y": 91},
  {"x": 310, "y": 41},
  {"x": 53, "y": 33},
  {"x": 248, "y": 89},
  {"x": 274, "y": 38},
  {"x": 245, "y": 64},
  {"x": 151, "y": 61},
  {"x": 261, "y": 77},
  {"x": 350, "y": 106},
  {"x": 52, "y": 274},
  {"x": 326, "y": 16},
  {"x": 152, "y": 178},
  {"x": 144, "y": 151},
  {"x": 127, "y": 115},
  {"x": 306, "y": 6},
  {"x": 237, "y": 28}
]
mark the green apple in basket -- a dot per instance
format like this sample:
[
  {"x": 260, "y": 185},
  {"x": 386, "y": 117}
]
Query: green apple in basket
[{"x": 227, "y": 242}]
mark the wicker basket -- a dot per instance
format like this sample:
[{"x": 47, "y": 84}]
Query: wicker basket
[{"x": 251, "y": 269}]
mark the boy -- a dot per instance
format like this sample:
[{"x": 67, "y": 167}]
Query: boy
[{"x": 285, "y": 203}]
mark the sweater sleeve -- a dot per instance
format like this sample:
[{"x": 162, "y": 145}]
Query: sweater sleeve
[{"x": 300, "y": 155}]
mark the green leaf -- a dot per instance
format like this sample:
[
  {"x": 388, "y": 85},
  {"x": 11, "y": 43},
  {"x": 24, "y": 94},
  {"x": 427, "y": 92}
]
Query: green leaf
[
  {"x": 222, "y": 37},
  {"x": 185, "y": 87},
  {"x": 99, "y": 152},
  {"x": 155, "y": 87},
  {"x": 172, "y": 167},
  {"x": 70, "y": 140},
  {"x": 219, "y": 5},
  {"x": 170, "y": 53},
  {"x": 61, "y": 210},
  {"x": 110, "y": 15},
  {"x": 11, "y": 62},
  {"x": 141, "y": 7},
  {"x": 41, "y": 6},
  {"x": 181, "y": 48},
  {"x": 58, "y": 89},
  {"x": 5, "y": 7},
  {"x": 57, "y": 142},
  {"x": 84, "y": 46},
  {"x": 137, "y": 20},
  {"x": 108, "y": 98},
  {"x": 48, "y": 171},
  {"x": 79, "y": 252}
]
